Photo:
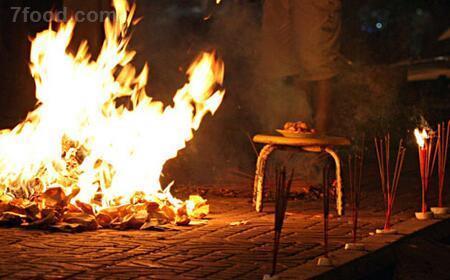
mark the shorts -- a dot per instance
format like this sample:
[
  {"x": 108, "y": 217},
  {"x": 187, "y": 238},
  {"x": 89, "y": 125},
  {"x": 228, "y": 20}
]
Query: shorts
[{"x": 301, "y": 38}]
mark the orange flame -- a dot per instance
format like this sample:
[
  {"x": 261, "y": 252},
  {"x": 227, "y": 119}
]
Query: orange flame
[
  {"x": 79, "y": 136},
  {"x": 421, "y": 136}
]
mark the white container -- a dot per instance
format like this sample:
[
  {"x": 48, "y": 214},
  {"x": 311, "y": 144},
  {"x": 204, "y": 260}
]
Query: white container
[
  {"x": 424, "y": 216},
  {"x": 324, "y": 261},
  {"x": 439, "y": 210},
  {"x": 386, "y": 231},
  {"x": 268, "y": 277},
  {"x": 354, "y": 247}
]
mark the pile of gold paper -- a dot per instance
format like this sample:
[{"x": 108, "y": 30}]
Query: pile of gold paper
[{"x": 56, "y": 209}]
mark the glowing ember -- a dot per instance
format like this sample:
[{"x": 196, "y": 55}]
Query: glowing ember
[{"x": 81, "y": 148}]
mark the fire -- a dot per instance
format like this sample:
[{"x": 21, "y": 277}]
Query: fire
[
  {"x": 421, "y": 136},
  {"x": 95, "y": 132}
]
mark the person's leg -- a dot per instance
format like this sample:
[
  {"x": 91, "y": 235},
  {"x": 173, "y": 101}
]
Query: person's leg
[
  {"x": 276, "y": 41},
  {"x": 316, "y": 25},
  {"x": 323, "y": 93},
  {"x": 301, "y": 103},
  {"x": 302, "y": 85}
]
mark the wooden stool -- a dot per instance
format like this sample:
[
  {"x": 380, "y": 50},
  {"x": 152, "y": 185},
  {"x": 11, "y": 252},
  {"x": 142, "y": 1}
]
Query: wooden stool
[{"x": 315, "y": 145}]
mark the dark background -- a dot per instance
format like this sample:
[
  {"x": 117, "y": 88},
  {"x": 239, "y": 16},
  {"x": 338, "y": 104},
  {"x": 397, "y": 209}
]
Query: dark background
[{"x": 373, "y": 94}]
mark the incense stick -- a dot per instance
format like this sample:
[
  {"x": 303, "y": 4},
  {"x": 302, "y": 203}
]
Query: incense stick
[
  {"x": 355, "y": 167},
  {"x": 326, "y": 206},
  {"x": 389, "y": 186},
  {"x": 442, "y": 149},
  {"x": 426, "y": 148},
  {"x": 281, "y": 199}
]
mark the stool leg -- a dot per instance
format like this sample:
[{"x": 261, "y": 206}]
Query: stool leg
[
  {"x": 339, "y": 196},
  {"x": 326, "y": 206},
  {"x": 258, "y": 187}
]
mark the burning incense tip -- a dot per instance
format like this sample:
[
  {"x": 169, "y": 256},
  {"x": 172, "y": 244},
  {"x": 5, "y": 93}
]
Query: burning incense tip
[
  {"x": 426, "y": 149},
  {"x": 421, "y": 136}
]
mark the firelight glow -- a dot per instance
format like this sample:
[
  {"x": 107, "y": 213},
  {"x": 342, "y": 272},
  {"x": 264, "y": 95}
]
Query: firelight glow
[{"x": 80, "y": 135}]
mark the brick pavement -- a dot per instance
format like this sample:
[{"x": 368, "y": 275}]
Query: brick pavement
[{"x": 216, "y": 250}]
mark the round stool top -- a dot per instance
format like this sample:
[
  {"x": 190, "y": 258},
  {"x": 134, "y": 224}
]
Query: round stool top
[{"x": 321, "y": 141}]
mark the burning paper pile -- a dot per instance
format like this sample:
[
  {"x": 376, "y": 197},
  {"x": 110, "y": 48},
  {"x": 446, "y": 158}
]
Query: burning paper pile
[
  {"x": 92, "y": 152},
  {"x": 54, "y": 209}
]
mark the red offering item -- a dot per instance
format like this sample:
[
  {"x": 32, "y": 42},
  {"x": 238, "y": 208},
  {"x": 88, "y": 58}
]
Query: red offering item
[{"x": 297, "y": 129}]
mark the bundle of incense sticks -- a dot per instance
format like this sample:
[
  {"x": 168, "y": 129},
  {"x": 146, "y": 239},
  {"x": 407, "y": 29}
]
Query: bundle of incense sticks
[
  {"x": 282, "y": 190},
  {"x": 326, "y": 206},
  {"x": 442, "y": 148},
  {"x": 389, "y": 188},
  {"x": 355, "y": 170},
  {"x": 426, "y": 147}
]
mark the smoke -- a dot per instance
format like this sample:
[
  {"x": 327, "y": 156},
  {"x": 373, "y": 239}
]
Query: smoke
[
  {"x": 172, "y": 33},
  {"x": 169, "y": 37}
]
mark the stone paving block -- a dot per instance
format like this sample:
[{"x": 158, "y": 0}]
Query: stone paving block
[{"x": 216, "y": 250}]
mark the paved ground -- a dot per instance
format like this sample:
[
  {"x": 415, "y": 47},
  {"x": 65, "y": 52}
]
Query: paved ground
[{"x": 216, "y": 250}]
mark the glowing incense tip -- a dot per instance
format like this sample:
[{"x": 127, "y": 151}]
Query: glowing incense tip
[{"x": 421, "y": 136}]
